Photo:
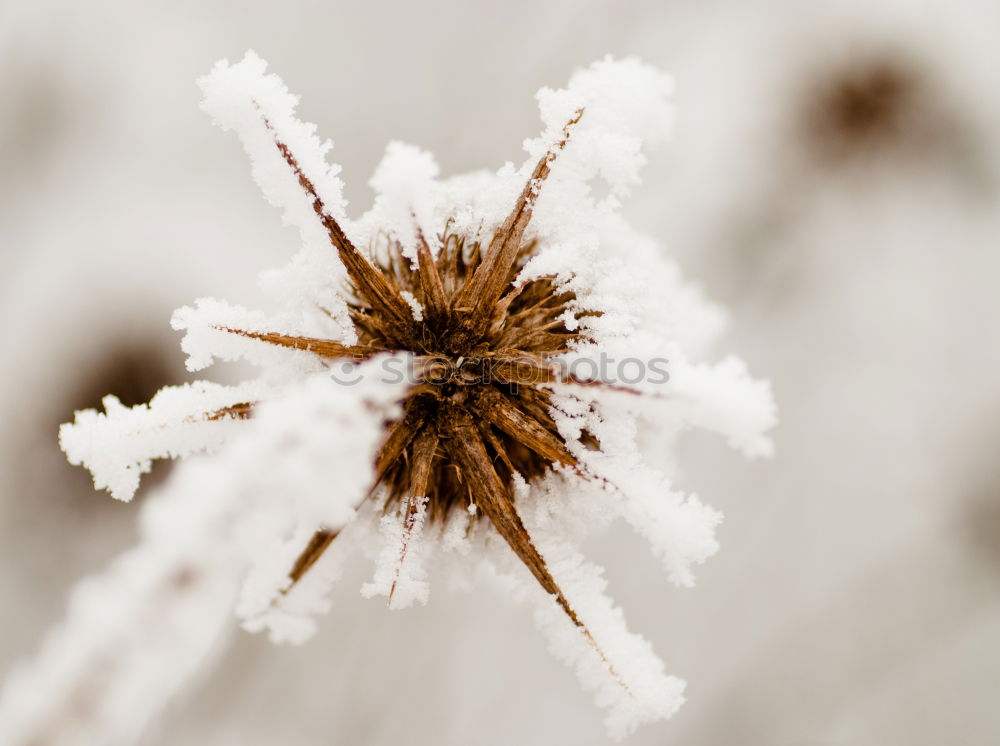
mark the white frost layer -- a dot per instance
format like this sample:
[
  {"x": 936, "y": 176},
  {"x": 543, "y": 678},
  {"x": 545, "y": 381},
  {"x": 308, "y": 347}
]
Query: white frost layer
[
  {"x": 241, "y": 97},
  {"x": 723, "y": 398},
  {"x": 645, "y": 310},
  {"x": 400, "y": 572},
  {"x": 206, "y": 338},
  {"x": 288, "y": 614},
  {"x": 618, "y": 666},
  {"x": 284, "y": 490},
  {"x": 406, "y": 193},
  {"x": 135, "y": 632},
  {"x": 415, "y": 308},
  {"x": 118, "y": 445}
]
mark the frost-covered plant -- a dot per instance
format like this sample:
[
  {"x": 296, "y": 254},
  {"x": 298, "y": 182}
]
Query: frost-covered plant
[{"x": 494, "y": 291}]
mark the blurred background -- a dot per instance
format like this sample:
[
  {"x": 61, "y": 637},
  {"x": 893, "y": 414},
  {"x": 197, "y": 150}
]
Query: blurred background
[{"x": 833, "y": 180}]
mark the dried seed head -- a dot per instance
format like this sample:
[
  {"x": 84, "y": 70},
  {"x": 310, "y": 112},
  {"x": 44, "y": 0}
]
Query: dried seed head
[
  {"x": 476, "y": 359},
  {"x": 478, "y": 415},
  {"x": 482, "y": 329}
]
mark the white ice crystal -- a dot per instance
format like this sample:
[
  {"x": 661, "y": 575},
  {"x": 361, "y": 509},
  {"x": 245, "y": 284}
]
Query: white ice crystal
[
  {"x": 400, "y": 573},
  {"x": 414, "y": 304},
  {"x": 246, "y": 511},
  {"x": 118, "y": 445},
  {"x": 136, "y": 631}
]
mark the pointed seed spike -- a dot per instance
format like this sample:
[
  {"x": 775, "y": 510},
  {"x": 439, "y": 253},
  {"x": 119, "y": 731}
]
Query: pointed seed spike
[
  {"x": 467, "y": 448},
  {"x": 325, "y": 348},
  {"x": 318, "y": 544},
  {"x": 424, "y": 450},
  {"x": 366, "y": 278},
  {"x": 491, "y": 437},
  {"x": 430, "y": 280},
  {"x": 401, "y": 434},
  {"x": 484, "y": 288},
  {"x": 501, "y": 412}
]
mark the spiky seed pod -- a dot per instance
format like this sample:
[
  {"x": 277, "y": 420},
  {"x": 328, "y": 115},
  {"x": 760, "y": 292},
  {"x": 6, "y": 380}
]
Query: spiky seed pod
[
  {"x": 489, "y": 309},
  {"x": 478, "y": 414}
]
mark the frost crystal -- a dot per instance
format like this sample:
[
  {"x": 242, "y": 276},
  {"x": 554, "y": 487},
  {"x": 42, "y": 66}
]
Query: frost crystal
[{"x": 496, "y": 350}]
